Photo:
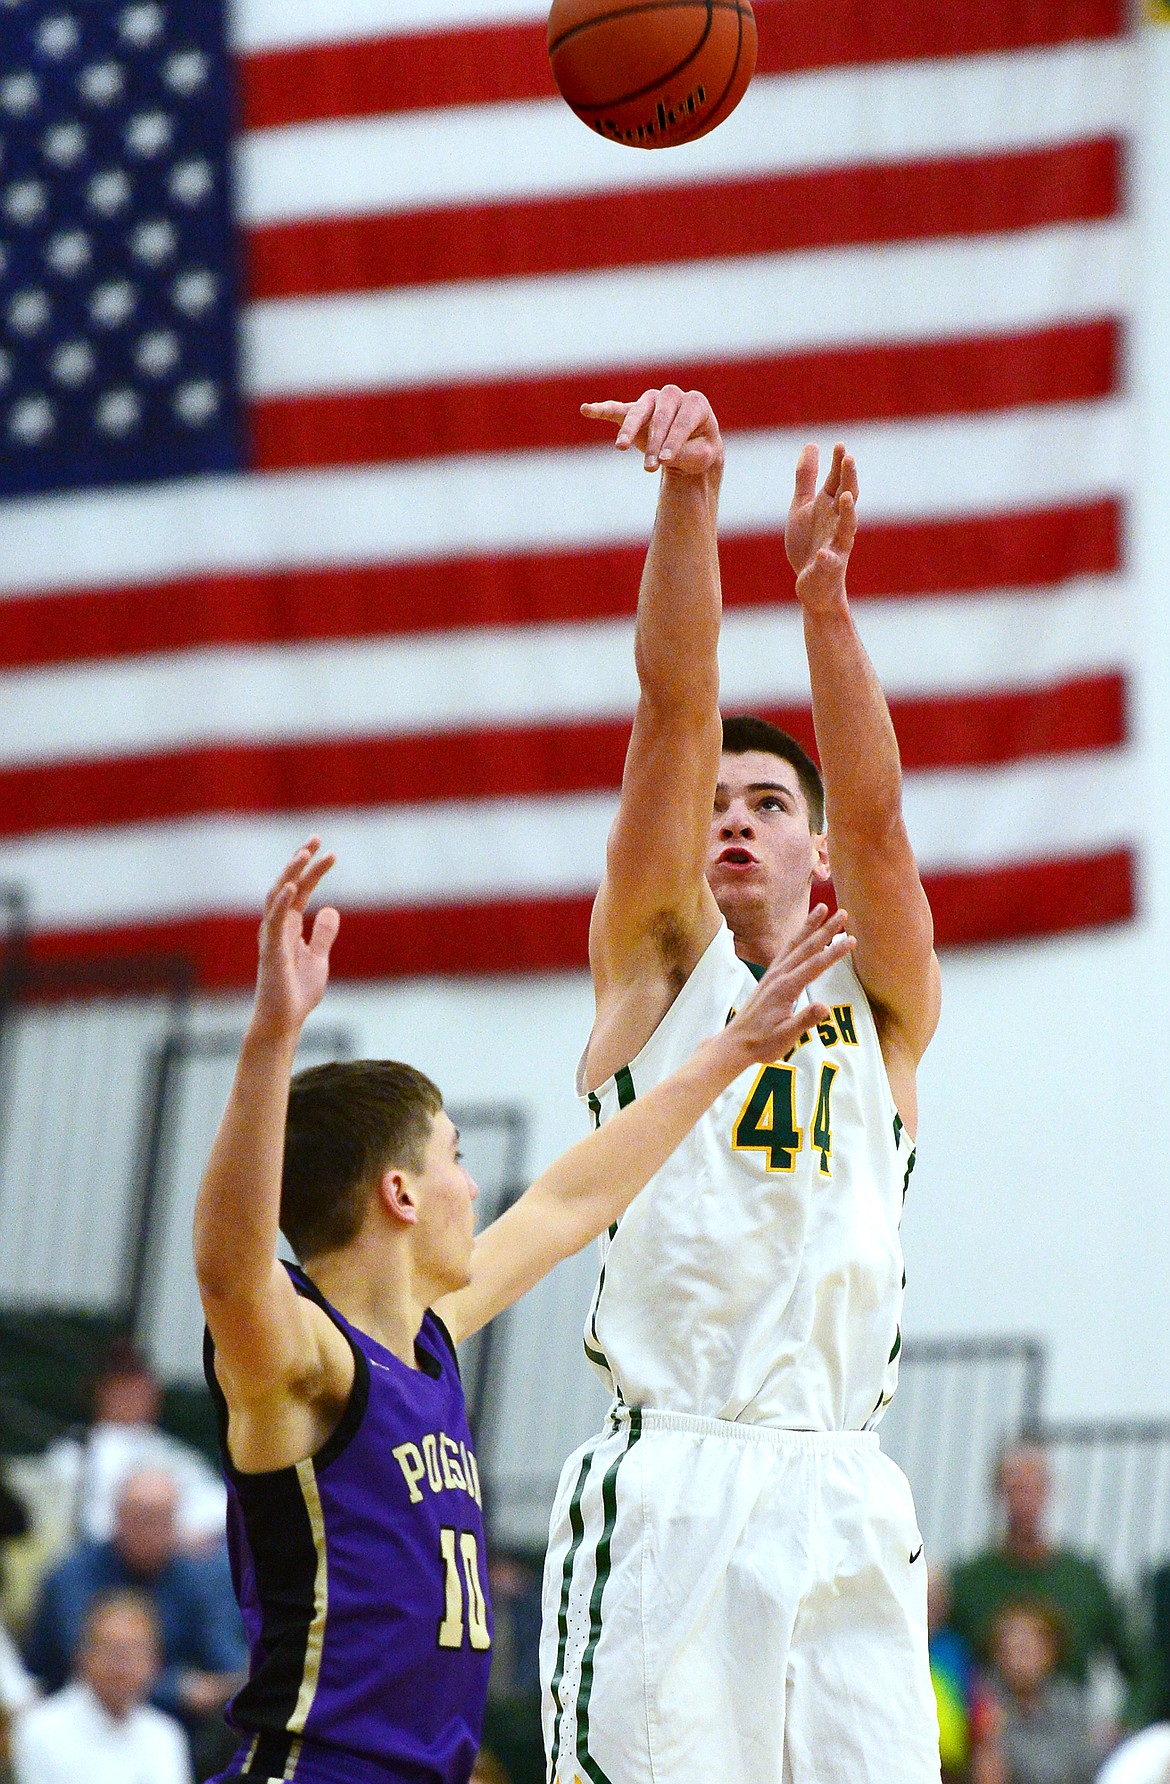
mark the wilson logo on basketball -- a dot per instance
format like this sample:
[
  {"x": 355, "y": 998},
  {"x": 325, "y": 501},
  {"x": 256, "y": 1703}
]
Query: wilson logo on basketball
[{"x": 664, "y": 118}]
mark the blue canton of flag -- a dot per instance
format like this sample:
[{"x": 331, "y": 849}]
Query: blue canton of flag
[{"x": 117, "y": 271}]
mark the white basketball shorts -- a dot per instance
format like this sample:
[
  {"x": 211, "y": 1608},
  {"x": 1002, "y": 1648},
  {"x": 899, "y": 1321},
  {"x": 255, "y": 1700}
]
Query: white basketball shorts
[{"x": 733, "y": 1604}]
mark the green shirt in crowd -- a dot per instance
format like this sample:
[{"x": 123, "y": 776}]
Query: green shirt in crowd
[{"x": 1071, "y": 1585}]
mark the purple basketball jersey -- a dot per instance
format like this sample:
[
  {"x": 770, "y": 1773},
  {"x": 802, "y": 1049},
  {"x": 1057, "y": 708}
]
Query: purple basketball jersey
[{"x": 362, "y": 1578}]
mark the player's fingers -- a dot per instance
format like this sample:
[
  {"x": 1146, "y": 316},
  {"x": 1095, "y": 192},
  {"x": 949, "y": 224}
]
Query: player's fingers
[
  {"x": 326, "y": 924},
  {"x": 849, "y": 474},
  {"x": 637, "y": 418},
  {"x": 798, "y": 1024},
  {"x": 846, "y": 519},
  {"x": 666, "y": 408},
  {"x": 311, "y": 878},
  {"x": 806, "y": 962},
  {"x": 607, "y": 411},
  {"x": 691, "y": 417},
  {"x": 293, "y": 868},
  {"x": 817, "y": 931},
  {"x": 806, "y": 476},
  {"x": 833, "y": 480}
]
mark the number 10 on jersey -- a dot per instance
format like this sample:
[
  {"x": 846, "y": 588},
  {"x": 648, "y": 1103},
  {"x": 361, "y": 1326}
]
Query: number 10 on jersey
[
  {"x": 767, "y": 1121},
  {"x": 453, "y": 1546}
]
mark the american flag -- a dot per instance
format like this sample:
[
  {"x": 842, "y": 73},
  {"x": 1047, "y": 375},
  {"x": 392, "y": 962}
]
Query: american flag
[{"x": 302, "y": 529}]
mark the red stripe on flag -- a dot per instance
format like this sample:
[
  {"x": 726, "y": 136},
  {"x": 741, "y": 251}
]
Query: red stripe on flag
[
  {"x": 1035, "y": 898},
  {"x": 483, "y": 65},
  {"x": 544, "y": 935},
  {"x": 775, "y": 214},
  {"x": 974, "y": 730},
  {"x": 1074, "y": 363},
  {"x": 1037, "y": 549}
]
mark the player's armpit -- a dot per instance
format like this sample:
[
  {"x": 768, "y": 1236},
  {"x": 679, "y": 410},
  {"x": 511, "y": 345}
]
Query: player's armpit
[
  {"x": 272, "y": 1341},
  {"x": 286, "y": 1373}
]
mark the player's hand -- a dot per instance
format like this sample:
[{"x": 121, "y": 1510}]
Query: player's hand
[
  {"x": 769, "y": 1026},
  {"x": 821, "y": 524},
  {"x": 672, "y": 428},
  {"x": 293, "y": 972}
]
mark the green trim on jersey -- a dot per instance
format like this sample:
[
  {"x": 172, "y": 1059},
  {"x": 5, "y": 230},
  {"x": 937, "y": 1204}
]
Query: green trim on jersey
[
  {"x": 757, "y": 972},
  {"x": 624, "y": 1085}
]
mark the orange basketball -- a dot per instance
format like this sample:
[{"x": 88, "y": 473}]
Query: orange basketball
[{"x": 652, "y": 73}]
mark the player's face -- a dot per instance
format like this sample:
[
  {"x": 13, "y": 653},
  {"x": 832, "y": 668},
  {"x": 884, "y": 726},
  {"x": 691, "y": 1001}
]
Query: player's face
[
  {"x": 446, "y": 1214},
  {"x": 762, "y": 853}
]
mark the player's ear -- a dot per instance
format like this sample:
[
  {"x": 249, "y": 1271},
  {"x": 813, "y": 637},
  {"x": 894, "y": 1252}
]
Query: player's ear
[
  {"x": 398, "y": 1194},
  {"x": 821, "y": 871}
]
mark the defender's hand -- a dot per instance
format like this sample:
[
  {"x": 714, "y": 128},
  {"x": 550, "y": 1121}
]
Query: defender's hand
[
  {"x": 822, "y": 519},
  {"x": 672, "y": 428},
  {"x": 768, "y": 1026},
  {"x": 293, "y": 972}
]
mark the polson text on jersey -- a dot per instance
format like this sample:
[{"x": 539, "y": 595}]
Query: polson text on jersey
[{"x": 442, "y": 1464}]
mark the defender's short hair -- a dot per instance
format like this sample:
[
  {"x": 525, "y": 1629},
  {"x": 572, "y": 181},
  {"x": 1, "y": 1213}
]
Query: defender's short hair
[
  {"x": 348, "y": 1123},
  {"x": 746, "y": 732}
]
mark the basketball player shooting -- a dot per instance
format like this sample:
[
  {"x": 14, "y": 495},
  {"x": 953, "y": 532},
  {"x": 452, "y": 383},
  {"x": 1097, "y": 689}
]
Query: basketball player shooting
[
  {"x": 735, "y": 1586},
  {"x": 354, "y": 1505}
]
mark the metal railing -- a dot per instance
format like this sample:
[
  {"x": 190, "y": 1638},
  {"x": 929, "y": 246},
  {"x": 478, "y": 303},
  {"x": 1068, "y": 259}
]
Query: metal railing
[
  {"x": 959, "y": 1401},
  {"x": 1112, "y": 1480}
]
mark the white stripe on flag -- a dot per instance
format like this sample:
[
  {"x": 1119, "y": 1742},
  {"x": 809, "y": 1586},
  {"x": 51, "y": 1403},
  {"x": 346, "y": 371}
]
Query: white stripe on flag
[
  {"x": 1022, "y": 458},
  {"x": 271, "y": 24},
  {"x": 518, "y": 848},
  {"x": 917, "y": 111},
  {"x": 917, "y": 291},
  {"x": 554, "y": 674}
]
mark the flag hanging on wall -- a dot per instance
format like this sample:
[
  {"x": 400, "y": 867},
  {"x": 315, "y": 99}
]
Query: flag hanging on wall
[{"x": 302, "y": 529}]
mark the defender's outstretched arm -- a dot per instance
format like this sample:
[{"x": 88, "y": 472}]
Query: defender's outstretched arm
[
  {"x": 592, "y": 1185},
  {"x": 872, "y": 862},
  {"x": 266, "y": 1336}
]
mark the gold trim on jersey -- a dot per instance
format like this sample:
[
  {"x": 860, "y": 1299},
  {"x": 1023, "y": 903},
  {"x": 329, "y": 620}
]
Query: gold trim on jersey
[{"x": 315, "y": 1641}]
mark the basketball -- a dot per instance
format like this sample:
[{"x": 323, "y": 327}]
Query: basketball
[{"x": 652, "y": 73}]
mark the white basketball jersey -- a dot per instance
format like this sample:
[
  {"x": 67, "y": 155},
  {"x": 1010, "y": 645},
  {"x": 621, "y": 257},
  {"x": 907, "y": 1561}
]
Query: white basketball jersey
[{"x": 759, "y": 1275}]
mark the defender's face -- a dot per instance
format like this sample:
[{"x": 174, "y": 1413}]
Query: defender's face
[
  {"x": 446, "y": 1217},
  {"x": 762, "y": 853}
]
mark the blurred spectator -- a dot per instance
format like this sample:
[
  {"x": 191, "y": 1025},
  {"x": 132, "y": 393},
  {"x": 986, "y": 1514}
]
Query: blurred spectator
[
  {"x": 89, "y": 1470},
  {"x": 1026, "y": 1568},
  {"x": 204, "y": 1650},
  {"x": 1143, "y": 1759},
  {"x": 17, "y": 1692},
  {"x": 18, "y": 1688},
  {"x": 487, "y": 1769},
  {"x": 965, "y": 1709},
  {"x": 13, "y": 1515},
  {"x": 1151, "y": 1697},
  {"x": 99, "y": 1729},
  {"x": 1041, "y": 1733}
]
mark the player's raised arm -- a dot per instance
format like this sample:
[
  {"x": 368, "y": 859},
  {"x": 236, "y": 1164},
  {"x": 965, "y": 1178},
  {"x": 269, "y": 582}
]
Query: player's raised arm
[
  {"x": 267, "y": 1338},
  {"x": 872, "y": 862},
  {"x": 654, "y": 895},
  {"x": 592, "y": 1185}
]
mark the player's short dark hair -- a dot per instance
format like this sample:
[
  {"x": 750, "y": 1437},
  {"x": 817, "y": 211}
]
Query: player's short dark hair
[
  {"x": 348, "y": 1123},
  {"x": 745, "y": 732}
]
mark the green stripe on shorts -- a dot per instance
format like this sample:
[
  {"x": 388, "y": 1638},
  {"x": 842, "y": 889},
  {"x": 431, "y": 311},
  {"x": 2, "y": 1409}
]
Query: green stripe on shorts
[
  {"x": 577, "y": 1526},
  {"x": 601, "y": 1570}
]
